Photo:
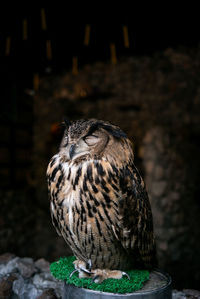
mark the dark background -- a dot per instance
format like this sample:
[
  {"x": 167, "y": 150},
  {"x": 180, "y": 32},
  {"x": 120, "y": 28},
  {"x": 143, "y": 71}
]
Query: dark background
[{"x": 152, "y": 30}]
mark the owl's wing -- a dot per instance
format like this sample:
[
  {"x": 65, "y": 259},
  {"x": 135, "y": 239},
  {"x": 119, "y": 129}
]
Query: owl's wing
[
  {"x": 52, "y": 170},
  {"x": 135, "y": 230},
  {"x": 55, "y": 221}
]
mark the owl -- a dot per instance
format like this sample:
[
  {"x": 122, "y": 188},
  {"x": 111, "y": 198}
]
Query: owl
[{"x": 98, "y": 201}]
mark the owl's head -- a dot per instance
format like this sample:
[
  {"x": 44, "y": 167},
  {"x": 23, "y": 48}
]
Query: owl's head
[{"x": 85, "y": 139}]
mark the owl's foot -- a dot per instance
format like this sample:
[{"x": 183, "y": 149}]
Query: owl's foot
[
  {"x": 83, "y": 269},
  {"x": 100, "y": 275},
  {"x": 97, "y": 275}
]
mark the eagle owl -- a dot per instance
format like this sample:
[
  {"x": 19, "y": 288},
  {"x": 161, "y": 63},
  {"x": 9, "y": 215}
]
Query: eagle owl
[{"x": 98, "y": 201}]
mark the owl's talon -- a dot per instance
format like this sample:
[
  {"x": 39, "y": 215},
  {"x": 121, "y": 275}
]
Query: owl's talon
[
  {"x": 89, "y": 264},
  {"x": 86, "y": 270},
  {"x": 76, "y": 270},
  {"x": 81, "y": 267},
  {"x": 95, "y": 278},
  {"x": 126, "y": 274}
]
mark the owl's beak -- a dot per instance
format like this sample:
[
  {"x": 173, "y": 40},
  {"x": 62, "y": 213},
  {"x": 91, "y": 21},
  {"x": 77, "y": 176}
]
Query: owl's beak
[
  {"x": 72, "y": 151},
  {"x": 77, "y": 150}
]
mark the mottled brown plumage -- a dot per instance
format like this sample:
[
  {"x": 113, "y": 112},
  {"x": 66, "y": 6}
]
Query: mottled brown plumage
[{"x": 98, "y": 200}]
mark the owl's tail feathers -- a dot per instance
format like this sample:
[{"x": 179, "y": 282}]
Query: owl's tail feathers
[
  {"x": 149, "y": 258},
  {"x": 150, "y": 262}
]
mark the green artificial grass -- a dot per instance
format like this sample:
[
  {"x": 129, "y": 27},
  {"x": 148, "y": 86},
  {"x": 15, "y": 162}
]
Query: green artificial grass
[{"x": 63, "y": 268}]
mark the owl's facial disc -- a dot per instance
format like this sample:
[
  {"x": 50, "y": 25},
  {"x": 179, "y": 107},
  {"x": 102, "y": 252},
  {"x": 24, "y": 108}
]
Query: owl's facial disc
[
  {"x": 83, "y": 147},
  {"x": 78, "y": 149}
]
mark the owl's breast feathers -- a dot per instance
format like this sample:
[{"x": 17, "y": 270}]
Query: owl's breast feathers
[{"x": 102, "y": 210}]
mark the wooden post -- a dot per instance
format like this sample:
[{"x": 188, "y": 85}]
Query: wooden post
[
  {"x": 126, "y": 38},
  {"x": 43, "y": 19},
  {"x": 7, "y": 49},
  {"x": 25, "y": 31},
  {"x": 113, "y": 54},
  {"x": 75, "y": 65},
  {"x": 36, "y": 82},
  {"x": 49, "y": 49},
  {"x": 87, "y": 35}
]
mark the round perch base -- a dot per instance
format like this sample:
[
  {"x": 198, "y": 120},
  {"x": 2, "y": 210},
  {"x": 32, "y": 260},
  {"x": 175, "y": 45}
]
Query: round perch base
[{"x": 157, "y": 287}]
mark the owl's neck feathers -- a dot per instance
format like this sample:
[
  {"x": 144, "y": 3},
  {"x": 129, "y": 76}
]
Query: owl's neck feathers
[{"x": 119, "y": 152}]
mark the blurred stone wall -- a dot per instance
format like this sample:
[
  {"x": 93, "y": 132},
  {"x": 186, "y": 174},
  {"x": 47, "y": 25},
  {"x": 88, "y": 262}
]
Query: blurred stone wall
[{"x": 156, "y": 101}]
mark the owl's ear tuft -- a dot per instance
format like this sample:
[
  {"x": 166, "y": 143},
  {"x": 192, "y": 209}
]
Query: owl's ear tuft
[
  {"x": 114, "y": 131},
  {"x": 93, "y": 128},
  {"x": 66, "y": 122}
]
